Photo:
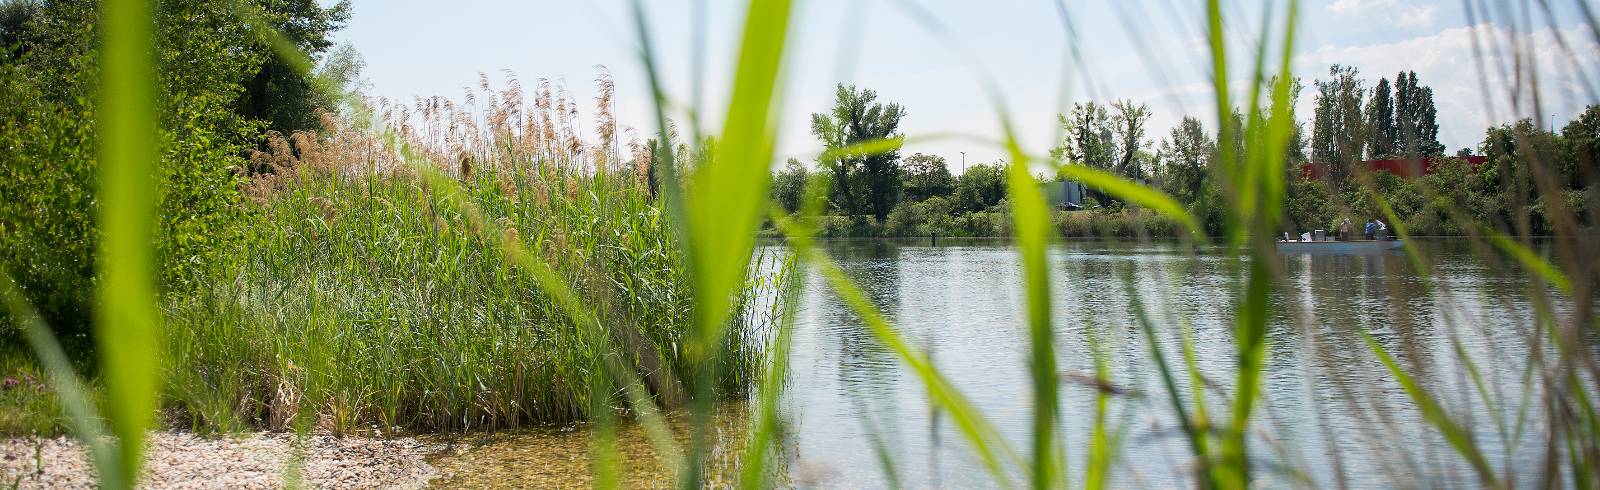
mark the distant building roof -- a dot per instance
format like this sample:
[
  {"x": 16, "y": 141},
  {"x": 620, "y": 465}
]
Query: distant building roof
[{"x": 1404, "y": 167}]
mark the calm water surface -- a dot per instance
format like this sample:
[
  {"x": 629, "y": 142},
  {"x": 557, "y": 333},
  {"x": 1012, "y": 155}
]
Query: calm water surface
[{"x": 1332, "y": 416}]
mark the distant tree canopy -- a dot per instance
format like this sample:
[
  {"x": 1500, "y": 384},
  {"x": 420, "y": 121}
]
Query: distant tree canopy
[
  {"x": 789, "y": 186},
  {"x": 1383, "y": 137},
  {"x": 1349, "y": 126},
  {"x": 1186, "y": 156},
  {"x": 1088, "y": 140},
  {"x": 1416, "y": 120},
  {"x": 926, "y": 176},
  {"x": 981, "y": 187},
  {"x": 1129, "y": 127},
  {"x": 276, "y": 93},
  {"x": 862, "y": 181},
  {"x": 1338, "y": 133},
  {"x": 1534, "y": 179}
]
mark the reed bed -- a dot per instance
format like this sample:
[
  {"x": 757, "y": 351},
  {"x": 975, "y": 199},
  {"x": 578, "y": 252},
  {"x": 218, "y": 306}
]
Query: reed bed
[
  {"x": 363, "y": 300},
  {"x": 448, "y": 274}
]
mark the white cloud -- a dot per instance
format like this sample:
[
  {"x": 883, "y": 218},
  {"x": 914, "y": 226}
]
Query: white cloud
[
  {"x": 1469, "y": 100},
  {"x": 1401, "y": 14}
]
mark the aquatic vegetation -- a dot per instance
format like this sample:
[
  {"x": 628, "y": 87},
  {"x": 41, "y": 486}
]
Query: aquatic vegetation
[{"x": 492, "y": 270}]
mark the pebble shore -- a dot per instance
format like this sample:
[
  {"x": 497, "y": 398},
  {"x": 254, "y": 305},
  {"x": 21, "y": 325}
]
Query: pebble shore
[{"x": 259, "y": 460}]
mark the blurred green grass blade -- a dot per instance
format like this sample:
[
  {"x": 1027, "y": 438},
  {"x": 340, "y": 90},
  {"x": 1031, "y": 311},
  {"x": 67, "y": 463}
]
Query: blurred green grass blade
[
  {"x": 730, "y": 197},
  {"x": 672, "y": 190},
  {"x": 1099, "y": 453},
  {"x": 1197, "y": 438},
  {"x": 865, "y": 148},
  {"x": 1207, "y": 471},
  {"x": 1031, "y": 220},
  {"x": 1459, "y": 437},
  {"x": 979, "y": 432},
  {"x": 1226, "y": 162},
  {"x": 1250, "y": 336},
  {"x": 755, "y": 472},
  {"x": 1528, "y": 259},
  {"x": 607, "y": 457},
  {"x": 80, "y": 410},
  {"x": 126, "y": 317},
  {"x": 1270, "y": 161},
  {"x": 724, "y": 214},
  {"x": 1136, "y": 193}
]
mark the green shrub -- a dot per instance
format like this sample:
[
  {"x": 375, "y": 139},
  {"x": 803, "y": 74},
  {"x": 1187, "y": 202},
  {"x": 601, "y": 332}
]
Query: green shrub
[{"x": 48, "y": 167}]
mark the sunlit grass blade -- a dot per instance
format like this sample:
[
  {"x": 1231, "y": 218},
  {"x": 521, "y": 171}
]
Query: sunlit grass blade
[
  {"x": 126, "y": 317},
  {"x": 1197, "y": 438},
  {"x": 1032, "y": 228},
  {"x": 724, "y": 215},
  {"x": 1458, "y": 437},
  {"x": 1257, "y": 198},
  {"x": 722, "y": 222},
  {"x": 979, "y": 432},
  {"x": 1529, "y": 259},
  {"x": 1098, "y": 469},
  {"x": 755, "y": 471}
]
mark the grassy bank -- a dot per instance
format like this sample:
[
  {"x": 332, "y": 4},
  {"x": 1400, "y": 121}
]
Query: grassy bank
[
  {"x": 366, "y": 301},
  {"x": 363, "y": 297}
]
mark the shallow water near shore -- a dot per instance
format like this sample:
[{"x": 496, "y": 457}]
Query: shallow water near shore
[{"x": 854, "y": 417}]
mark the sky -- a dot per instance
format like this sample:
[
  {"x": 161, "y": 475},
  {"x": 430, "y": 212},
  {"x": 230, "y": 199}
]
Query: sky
[{"x": 948, "y": 62}]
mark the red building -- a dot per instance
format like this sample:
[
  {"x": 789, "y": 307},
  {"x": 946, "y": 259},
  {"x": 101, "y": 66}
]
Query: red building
[{"x": 1405, "y": 167}]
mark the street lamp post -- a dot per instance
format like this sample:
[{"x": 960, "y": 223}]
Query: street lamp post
[{"x": 963, "y": 163}]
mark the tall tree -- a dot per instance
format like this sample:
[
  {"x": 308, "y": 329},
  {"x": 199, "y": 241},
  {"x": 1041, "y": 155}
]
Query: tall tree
[
  {"x": 1088, "y": 137},
  {"x": 1416, "y": 119},
  {"x": 1088, "y": 140},
  {"x": 1129, "y": 127},
  {"x": 925, "y": 176},
  {"x": 981, "y": 187},
  {"x": 1337, "y": 126},
  {"x": 1582, "y": 159},
  {"x": 1295, "y": 155},
  {"x": 862, "y": 181},
  {"x": 1185, "y": 155},
  {"x": 789, "y": 186},
  {"x": 1382, "y": 135},
  {"x": 277, "y": 93}
]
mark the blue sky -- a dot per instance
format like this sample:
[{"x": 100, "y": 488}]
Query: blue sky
[{"x": 1151, "y": 51}]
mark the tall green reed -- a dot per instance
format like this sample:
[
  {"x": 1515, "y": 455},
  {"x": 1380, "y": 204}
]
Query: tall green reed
[
  {"x": 126, "y": 315},
  {"x": 718, "y": 257}
]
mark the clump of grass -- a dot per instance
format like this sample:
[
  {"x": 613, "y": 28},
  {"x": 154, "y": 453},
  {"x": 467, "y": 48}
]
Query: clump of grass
[{"x": 364, "y": 298}]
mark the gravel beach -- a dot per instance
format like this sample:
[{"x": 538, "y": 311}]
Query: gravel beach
[{"x": 184, "y": 460}]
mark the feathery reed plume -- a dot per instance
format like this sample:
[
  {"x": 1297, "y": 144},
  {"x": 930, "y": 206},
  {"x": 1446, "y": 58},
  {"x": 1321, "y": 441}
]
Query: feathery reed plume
[{"x": 605, "y": 121}]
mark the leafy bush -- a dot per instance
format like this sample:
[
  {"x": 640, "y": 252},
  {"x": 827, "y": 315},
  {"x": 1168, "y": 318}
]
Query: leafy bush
[{"x": 48, "y": 170}]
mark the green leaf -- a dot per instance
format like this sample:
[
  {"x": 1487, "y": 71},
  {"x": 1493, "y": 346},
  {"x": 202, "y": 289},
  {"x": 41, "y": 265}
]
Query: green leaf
[
  {"x": 125, "y": 322},
  {"x": 1458, "y": 437}
]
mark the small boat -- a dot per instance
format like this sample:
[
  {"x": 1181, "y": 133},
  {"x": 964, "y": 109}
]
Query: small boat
[{"x": 1338, "y": 247}]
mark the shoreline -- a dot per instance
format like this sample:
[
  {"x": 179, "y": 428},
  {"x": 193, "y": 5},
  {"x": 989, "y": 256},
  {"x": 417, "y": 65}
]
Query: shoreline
[{"x": 175, "y": 459}]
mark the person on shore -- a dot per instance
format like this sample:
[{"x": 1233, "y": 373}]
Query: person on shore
[
  {"x": 1382, "y": 230},
  {"x": 1370, "y": 228},
  {"x": 1344, "y": 230}
]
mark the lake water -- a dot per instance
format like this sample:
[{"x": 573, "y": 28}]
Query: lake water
[{"x": 1332, "y": 415}]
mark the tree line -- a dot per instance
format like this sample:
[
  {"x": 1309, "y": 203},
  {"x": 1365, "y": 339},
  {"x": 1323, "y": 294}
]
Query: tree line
[{"x": 882, "y": 193}]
